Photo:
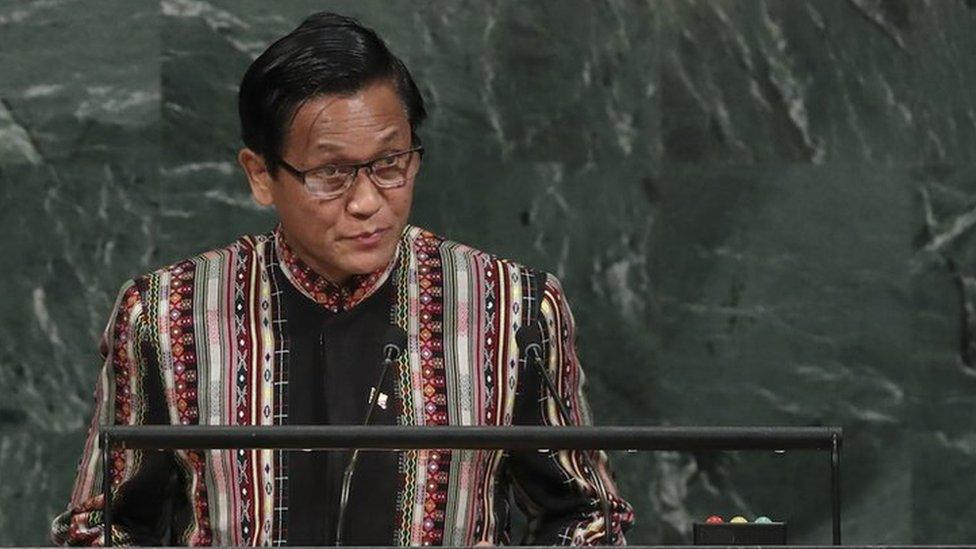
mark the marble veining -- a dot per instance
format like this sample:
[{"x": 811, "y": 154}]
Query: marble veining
[{"x": 763, "y": 212}]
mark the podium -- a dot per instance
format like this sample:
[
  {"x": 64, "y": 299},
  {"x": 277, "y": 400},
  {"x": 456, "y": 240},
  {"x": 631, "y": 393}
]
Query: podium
[{"x": 386, "y": 437}]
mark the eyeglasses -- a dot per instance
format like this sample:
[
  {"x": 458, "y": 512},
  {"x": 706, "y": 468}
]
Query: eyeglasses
[{"x": 333, "y": 180}]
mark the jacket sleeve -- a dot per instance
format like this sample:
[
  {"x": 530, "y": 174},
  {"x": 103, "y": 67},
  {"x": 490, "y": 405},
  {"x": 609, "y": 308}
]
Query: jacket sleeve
[
  {"x": 129, "y": 392},
  {"x": 555, "y": 490}
]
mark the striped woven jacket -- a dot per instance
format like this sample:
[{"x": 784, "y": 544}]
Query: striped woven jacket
[{"x": 203, "y": 336}]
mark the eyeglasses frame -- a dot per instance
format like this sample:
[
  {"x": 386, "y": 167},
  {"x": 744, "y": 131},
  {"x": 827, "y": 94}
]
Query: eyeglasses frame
[{"x": 368, "y": 166}]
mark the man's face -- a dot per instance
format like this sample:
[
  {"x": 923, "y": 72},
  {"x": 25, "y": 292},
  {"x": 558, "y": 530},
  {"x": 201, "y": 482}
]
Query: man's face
[{"x": 356, "y": 233}]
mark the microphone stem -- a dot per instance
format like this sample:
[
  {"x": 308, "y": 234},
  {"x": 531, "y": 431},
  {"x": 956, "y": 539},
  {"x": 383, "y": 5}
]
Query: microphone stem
[
  {"x": 564, "y": 413},
  {"x": 351, "y": 467}
]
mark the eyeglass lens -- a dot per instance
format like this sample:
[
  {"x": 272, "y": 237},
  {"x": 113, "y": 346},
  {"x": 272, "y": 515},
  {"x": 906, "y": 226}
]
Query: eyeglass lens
[{"x": 387, "y": 172}]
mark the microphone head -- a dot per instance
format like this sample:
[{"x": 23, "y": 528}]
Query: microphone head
[
  {"x": 394, "y": 342},
  {"x": 528, "y": 335}
]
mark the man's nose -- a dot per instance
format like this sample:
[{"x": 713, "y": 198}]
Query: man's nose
[{"x": 365, "y": 199}]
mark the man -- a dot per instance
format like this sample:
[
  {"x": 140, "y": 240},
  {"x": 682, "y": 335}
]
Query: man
[{"x": 288, "y": 328}]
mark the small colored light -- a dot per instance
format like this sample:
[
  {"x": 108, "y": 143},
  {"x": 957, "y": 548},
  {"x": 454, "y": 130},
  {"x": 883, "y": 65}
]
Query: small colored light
[
  {"x": 738, "y": 520},
  {"x": 763, "y": 520},
  {"x": 714, "y": 519}
]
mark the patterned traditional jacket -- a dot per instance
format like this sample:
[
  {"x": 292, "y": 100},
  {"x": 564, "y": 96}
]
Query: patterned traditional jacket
[{"x": 204, "y": 336}]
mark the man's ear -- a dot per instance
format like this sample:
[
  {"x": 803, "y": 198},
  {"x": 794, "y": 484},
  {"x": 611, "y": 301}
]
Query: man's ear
[{"x": 257, "y": 175}]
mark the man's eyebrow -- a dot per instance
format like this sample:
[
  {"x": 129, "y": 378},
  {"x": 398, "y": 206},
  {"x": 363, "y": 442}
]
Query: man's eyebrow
[{"x": 389, "y": 136}]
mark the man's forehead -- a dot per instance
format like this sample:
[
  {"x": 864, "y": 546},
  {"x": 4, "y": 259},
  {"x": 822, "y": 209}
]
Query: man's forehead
[{"x": 375, "y": 110}]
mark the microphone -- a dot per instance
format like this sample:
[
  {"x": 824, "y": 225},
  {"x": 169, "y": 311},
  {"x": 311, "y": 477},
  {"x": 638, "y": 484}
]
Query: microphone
[
  {"x": 529, "y": 340},
  {"x": 394, "y": 343}
]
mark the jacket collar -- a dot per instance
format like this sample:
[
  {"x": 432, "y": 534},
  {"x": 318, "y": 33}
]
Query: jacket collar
[{"x": 316, "y": 287}]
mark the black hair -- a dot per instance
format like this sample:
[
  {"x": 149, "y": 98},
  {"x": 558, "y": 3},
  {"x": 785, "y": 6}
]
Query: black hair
[{"x": 327, "y": 54}]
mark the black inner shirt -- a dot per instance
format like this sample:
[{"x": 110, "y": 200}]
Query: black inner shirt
[{"x": 334, "y": 359}]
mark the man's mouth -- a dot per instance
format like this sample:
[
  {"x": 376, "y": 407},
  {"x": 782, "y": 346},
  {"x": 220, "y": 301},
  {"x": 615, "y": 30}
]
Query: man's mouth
[{"x": 368, "y": 237}]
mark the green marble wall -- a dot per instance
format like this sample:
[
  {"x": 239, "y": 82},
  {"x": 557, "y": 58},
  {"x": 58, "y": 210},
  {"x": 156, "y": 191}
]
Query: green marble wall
[{"x": 762, "y": 211}]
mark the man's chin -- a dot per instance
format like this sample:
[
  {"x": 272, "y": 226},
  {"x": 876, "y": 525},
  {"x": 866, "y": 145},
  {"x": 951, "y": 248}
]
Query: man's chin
[{"x": 367, "y": 265}]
